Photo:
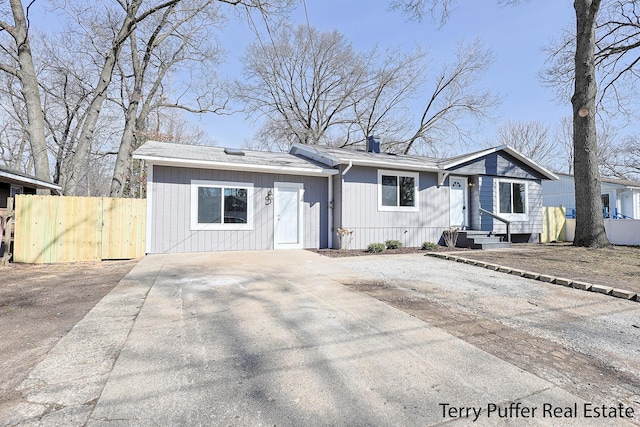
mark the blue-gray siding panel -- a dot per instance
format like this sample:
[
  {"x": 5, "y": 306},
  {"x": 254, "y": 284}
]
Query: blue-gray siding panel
[
  {"x": 497, "y": 164},
  {"x": 360, "y": 211},
  {"x": 489, "y": 201},
  {"x": 171, "y": 212}
]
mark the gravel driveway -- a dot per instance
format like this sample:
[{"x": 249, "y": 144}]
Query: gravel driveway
[{"x": 601, "y": 333}]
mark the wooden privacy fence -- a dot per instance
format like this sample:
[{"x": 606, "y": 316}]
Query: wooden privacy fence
[
  {"x": 553, "y": 224},
  {"x": 51, "y": 229}
]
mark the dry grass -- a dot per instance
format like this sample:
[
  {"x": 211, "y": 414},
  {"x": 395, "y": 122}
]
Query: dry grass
[{"x": 617, "y": 266}]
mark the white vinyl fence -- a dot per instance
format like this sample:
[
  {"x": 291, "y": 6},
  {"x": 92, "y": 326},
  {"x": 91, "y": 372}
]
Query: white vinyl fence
[{"x": 619, "y": 231}]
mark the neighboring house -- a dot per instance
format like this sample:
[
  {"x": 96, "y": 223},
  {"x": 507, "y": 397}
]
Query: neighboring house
[
  {"x": 620, "y": 198},
  {"x": 13, "y": 182},
  {"x": 211, "y": 198}
]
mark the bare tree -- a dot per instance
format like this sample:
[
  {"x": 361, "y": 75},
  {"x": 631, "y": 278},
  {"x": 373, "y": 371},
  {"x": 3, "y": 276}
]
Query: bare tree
[
  {"x": 22, "y": 66},
  {"x": 630, "y": 156},
  {"x": 531, "y": 139},
  {"x": 589, "y": 221},
  {"x": 177, "y": 38},
  {"x": 14, "y": 140},
  {"x": 304, "y": 83},
  {"x": 380, "y": 107},
  {"x": 313, "y": 88},
  {"x": 131, "y": 16},
  {"x": 610, "y": 152},
  {"x": 455, "y": 96}
]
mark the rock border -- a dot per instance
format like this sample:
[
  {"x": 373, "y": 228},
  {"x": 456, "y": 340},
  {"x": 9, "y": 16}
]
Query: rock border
[{"x": 576, "y": 284}]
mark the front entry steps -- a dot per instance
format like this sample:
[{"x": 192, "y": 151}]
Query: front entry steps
[{"x": 480, "y": 240}]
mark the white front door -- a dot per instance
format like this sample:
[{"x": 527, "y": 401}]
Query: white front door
[
  {"x": 288, "y": 215},
  {"x": 459, "y": 215}
]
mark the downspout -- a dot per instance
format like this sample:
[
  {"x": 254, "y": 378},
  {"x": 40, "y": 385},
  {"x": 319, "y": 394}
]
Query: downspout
[
  {"x": 149, "y": 207},
  {"x": 344, "y": 172},
  {"x": 330, "y": 212},
  {"x": 348, "y": 168}
]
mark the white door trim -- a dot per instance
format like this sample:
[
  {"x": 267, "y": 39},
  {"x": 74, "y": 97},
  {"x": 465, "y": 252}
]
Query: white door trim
[
  {"x": 300, "y": 187},
  {"x": 465, "y": 188}
]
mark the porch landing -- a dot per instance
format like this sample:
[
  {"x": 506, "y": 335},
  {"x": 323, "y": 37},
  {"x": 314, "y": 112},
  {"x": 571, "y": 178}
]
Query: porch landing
[{"x": 476, "y": 239}]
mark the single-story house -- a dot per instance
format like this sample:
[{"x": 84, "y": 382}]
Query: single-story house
[
  {"x": 212, "y": 198},
  {"x": 13, "y": 182},
  {"x": 620, "y": 198}
]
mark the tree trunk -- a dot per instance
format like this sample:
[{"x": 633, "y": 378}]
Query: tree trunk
[
  {"x": 123, "y": 160},
  {"x": 30, "y": 92},
  {"x": 79, "y": 164},
  {"x": 590, "y": 230}
]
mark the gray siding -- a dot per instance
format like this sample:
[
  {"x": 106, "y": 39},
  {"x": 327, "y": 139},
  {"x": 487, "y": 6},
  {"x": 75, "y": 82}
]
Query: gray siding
[
  {"x": 559, "y": 193},
  {"x": 488, "y": 200},
  {"x": 496, "y": 164},
  {"x": 359, "y": 200},
  {"x": 170, "y": 225}
]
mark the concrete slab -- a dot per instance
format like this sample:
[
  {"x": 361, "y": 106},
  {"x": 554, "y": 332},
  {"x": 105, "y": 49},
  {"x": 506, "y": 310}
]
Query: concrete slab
[
  {"x": 269, "y": 338},
  {"x": 562, "y": 281},
  {"x": 622, "y": 293},
  {"x": 601, "y": 289}
]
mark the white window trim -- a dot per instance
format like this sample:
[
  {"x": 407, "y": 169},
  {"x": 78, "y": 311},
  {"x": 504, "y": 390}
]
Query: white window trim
[
  {"x": 513, "y": 216},
  {"x": 416, "y": 188},
  {"x": 195, "y": 225}
]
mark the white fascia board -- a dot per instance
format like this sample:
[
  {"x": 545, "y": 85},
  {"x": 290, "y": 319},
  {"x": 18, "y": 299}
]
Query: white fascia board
[
  {"x": 524, "y": 159},
  {"x": 447, "y": 165},
  {"x": 395, "y": 165},
  {"x": 34, "y": 181},
  {"x": 247, "y": 167}
]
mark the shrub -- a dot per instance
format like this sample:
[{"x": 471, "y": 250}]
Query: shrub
[
  {"x": 376, "y": 248},
  {"x": 430, "y": 246},
  {"x": 393, "y": 244},
  {"x": 450, "y": 237}
]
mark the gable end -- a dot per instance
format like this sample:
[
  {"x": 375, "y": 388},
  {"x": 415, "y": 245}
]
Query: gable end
[{"x": 499, "y": 164}]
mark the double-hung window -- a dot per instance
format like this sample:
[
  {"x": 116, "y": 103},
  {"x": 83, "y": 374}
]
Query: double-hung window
[
  {"x": 221, "y": 205},
  {"x": 397, "y": 191},
  {"x": 512, "y": 199}
]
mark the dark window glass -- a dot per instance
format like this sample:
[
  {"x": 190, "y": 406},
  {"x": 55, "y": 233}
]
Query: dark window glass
[
  {"x": 519, "y": 198},
  {"x": 235, "y": 206},
  {"x": 209, "y": 205},
  {"x": 389, "y": 190},
  {"x": 505, "y": 197},
  {"x": 407, "y": 191}
]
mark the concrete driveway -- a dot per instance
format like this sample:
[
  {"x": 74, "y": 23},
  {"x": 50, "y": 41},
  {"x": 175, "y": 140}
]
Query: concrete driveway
[{"x": 270, "y": 338}]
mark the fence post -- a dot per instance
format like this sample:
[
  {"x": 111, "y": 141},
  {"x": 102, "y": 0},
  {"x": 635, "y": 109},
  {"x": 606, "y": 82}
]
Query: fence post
[{"x": 5, "y": 227}]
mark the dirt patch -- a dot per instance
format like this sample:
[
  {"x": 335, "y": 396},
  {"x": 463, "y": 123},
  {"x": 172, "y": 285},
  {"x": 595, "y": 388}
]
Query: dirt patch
[{"x": 39, "y": 304}]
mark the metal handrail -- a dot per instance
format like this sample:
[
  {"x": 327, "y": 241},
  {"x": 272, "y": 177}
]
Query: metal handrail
[{"x": 499, "y": 218}]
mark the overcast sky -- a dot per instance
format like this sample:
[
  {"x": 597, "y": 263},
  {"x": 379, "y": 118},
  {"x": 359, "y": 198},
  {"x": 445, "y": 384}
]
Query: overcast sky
[{"x": 516, "y": 35}]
